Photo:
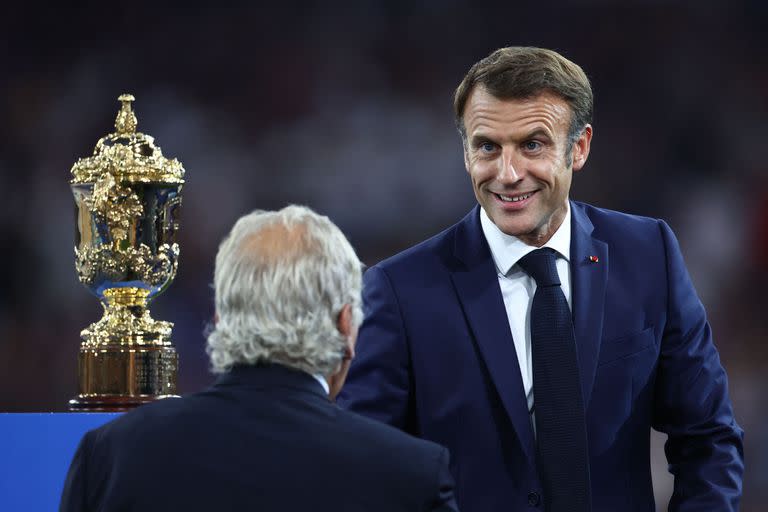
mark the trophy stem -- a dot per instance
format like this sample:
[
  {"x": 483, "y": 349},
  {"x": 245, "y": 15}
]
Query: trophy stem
[
  {"x": 127, "y": 322},
  {"x": 127, "y": 297}
]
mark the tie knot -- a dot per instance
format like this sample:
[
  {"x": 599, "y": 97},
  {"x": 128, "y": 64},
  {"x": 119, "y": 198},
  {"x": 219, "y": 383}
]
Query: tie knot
[{"x": 540, "y": 265}]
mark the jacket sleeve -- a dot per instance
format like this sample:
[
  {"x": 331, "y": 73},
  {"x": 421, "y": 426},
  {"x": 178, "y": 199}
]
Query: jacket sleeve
[
  {"x": 705, "y": 445},
  {"x": 73, "y": 497},
  {"x": 444, "y": 499},
  {"x": 378, "y": 385}
]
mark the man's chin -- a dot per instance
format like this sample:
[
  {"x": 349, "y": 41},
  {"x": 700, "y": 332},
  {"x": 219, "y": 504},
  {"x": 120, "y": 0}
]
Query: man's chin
[
  {"x": 515, "y": 230},
  {"x": 511, "y": 223}
]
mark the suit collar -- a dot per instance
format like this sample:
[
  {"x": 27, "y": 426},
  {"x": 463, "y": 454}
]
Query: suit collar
[
  {"x": 477, "y": 288},
  {"x": 269, "y": 375},
  {"x": 470, "y": 246},
  {"x": 507, "y": 250},
  {"x": 589, "y": 274}
]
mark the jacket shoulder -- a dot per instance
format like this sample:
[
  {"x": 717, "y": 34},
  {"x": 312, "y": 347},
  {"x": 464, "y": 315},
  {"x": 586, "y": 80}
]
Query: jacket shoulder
[
  {"x": 390, "y": 445},
  {"x": 391, "y": 436},
  {"x": 145, "y": 422},
  {"x": 619, "y": 227},
  {"x": 424, "y": 254}
]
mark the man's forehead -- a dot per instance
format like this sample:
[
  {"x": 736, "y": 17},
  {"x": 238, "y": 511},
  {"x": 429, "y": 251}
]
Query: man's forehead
[
  {"x": 485, "y": 111},
  {"x": 481, "y": 98}
]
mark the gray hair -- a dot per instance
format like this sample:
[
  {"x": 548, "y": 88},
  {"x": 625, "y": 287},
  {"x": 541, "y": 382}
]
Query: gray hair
[{"x": 281, "y": 280}]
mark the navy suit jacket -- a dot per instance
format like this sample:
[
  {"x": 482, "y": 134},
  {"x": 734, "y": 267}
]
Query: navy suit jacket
[
  {"x": 262, "y": 438},
  {"x": 435, "y": 358}
]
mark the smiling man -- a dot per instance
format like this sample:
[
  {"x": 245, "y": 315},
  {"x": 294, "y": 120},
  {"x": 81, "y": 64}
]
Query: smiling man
[{"x": 540, "y": 339}]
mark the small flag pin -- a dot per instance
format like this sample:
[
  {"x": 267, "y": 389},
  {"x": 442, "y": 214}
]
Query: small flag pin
[{"x": 594, "y": 259}]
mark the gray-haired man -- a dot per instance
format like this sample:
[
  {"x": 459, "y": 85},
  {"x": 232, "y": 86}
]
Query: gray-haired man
[{"x": 266, "y": 436}]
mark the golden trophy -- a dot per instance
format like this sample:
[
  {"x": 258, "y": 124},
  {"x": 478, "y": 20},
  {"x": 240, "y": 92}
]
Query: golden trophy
[{"x": 127, "y": 199}]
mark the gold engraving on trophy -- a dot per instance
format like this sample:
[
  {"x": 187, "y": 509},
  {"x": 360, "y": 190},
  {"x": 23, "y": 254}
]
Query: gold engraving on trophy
[{"x": 127, "y": 196}]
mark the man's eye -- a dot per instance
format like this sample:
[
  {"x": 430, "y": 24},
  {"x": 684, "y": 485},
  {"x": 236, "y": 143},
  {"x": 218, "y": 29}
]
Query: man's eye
[
  {"x": 532, "y": 145},
  {"x": 487, "y": 147}
]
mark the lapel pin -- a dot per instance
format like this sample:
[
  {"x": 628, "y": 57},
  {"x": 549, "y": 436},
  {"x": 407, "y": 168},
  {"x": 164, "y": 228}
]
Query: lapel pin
[{"x": 594, "y": 259}]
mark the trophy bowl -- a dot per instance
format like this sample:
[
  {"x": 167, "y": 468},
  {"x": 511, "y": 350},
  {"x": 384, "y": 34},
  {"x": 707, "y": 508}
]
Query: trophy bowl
[{"x": 127, "y": 199}]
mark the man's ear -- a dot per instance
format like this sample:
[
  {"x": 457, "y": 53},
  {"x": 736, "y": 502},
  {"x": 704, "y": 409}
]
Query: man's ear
[
  {"x": 580, "y": 150},
  {"x": 347, "y": 328},
  {"x": 349, "y": 331},
  {"x": 344, "y": 321}
]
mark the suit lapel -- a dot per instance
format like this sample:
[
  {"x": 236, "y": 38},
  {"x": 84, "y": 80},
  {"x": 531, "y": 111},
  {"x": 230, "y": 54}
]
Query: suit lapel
[
  {"x": 477, "y": 287},
  {"x": 589, "y": 279}
]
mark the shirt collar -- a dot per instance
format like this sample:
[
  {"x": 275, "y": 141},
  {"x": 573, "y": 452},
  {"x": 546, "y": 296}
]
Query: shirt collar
[
  {"x": 507, "y": 249},
  {"x": 319, "y": 378}
]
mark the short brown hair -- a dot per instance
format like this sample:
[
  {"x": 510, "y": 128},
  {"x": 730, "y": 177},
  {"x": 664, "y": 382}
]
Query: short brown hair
[{"x": 520, "y": 72}]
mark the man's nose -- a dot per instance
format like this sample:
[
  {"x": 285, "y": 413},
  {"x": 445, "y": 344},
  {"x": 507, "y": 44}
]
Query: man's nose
[{"x": 512, "y": 169}]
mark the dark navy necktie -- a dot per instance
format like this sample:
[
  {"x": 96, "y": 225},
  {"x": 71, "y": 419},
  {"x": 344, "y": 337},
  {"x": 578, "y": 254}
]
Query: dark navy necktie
[{"x": 561, "y": 434}]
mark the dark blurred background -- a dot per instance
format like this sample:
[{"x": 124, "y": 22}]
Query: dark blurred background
[{"x": 346, "y": 107}]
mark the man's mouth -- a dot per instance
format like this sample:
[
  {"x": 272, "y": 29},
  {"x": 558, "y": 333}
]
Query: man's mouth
[{"x": 515, "y": 199}]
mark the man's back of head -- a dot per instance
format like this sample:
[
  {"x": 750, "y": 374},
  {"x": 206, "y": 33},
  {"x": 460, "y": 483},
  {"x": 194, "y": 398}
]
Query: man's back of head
[{"x": 284, "y": 281}]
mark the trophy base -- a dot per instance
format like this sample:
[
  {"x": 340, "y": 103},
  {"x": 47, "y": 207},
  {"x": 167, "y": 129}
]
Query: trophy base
[
  {"x": 104, "y": 403},
  {"x": 118, "y": 378}
]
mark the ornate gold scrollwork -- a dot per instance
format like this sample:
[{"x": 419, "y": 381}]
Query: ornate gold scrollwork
[
  {"x": 153, "y": 269},
  {"x": 127, "y": 321},
  {"x": 116, "y": 205},
  {"x": 129, "y": 156}
]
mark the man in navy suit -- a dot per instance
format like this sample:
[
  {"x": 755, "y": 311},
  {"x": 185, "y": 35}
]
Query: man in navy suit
[
  {"x": 266, "y": 435},
  {"x": 447, "y": 351}
]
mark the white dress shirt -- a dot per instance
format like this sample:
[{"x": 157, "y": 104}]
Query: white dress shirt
[
  {"x": 517, "y": 287},
  {"x": 319, "y": 378}
]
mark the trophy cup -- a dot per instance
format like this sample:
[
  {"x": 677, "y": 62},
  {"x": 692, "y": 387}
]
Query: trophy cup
[{"x": 127, "y": 199}]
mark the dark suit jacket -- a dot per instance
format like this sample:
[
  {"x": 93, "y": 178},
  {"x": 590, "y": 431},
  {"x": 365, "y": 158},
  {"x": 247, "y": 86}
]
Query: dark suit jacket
[
  {"x": 435, "y": 358},
  {"x": 262, "y": 438}
]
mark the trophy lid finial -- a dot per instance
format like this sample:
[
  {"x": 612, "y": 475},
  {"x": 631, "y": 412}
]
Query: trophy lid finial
[
  {"x": 125, "y": 123},
  {"x": 130, "y": 156}
]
